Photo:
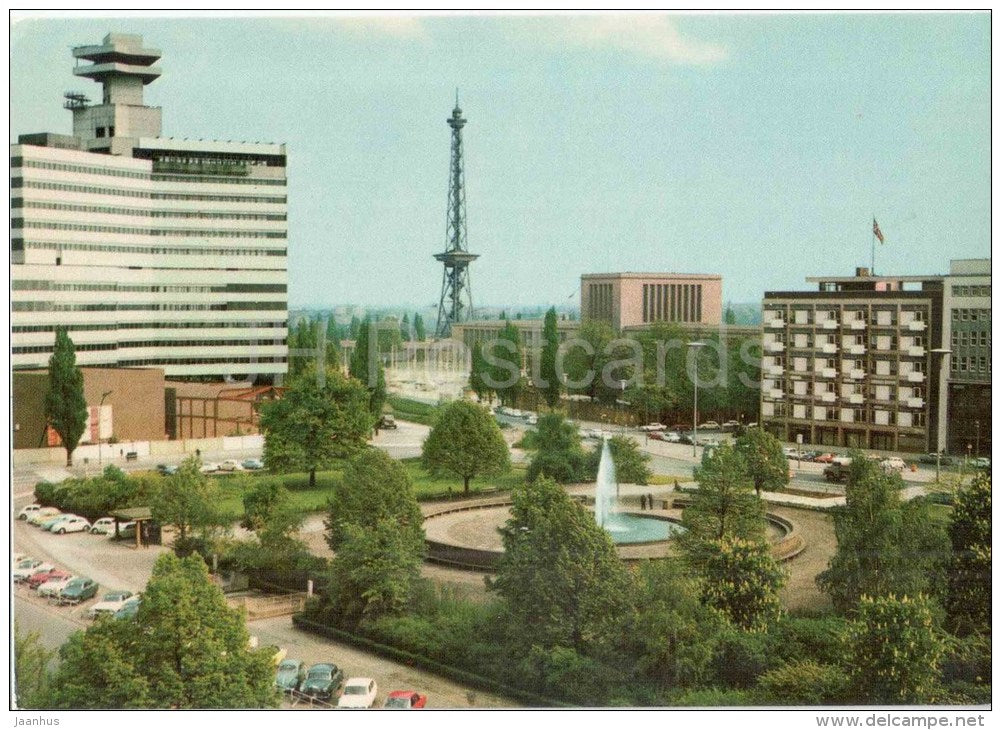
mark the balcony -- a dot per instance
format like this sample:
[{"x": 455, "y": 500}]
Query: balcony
[
  {"x": 856, "y": 349},
  {"x": 856, "y": 374},
  {"x": 828, "y": 397},
  {"x": 828, "y": 348},
  {"x": 857, "y": 324},
  {"x": 916, "y": 325},
  {"x": 775, "y": 324},
  {"x": 773, "y": 369},
  {"x": 829, "y": 324},
  {"x": 856, "y": 398},
  {"x": 775, "y": 394},
  {"x": 775, "y": 347},
  {"x": 915, "y": 377},
  {"x": 915, "y": 402},
  {"x": 915, "y": 351},
  {"x": 827, "y": 372}
]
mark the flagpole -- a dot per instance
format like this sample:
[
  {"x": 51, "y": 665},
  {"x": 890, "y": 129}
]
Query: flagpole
[{"x": 872, "y": 254}]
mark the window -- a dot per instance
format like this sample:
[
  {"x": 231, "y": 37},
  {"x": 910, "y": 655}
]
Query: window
[
  {"x": 100, "y": 132},
  {"x": 983, "y": 363},
  {"x": 832, "y": 414},
  {"x": 955, "y": 315},
  {"x": 973, "y": 314},
  {"x": 964, "y": 315}
]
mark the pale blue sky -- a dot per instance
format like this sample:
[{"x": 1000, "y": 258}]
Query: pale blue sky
[{"x": 754, "y": 146}]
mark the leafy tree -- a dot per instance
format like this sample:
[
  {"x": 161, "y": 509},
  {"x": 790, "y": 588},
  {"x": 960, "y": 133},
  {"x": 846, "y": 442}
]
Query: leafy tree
[
  {"x": 558, "y": 455},
  {"x": 466, "y": 442},
  {"x": 559, "y": 577},
  {"x": 884, "y": 546},
  {"x": 766, "y": 463},
  {"x": 969, "y": 599},
  {"x": 723, "y": 506},
  {"x": 333, "y": 345},
  {"x": 478, "y": 369},
  {"x": 585, "y": 366},
  {"x": 405, "y": 327},
  {"x": 741, "y": 579},
  {"x": 630, "y": 461},
  {"x": 894, "y": 651},
  {"x": 374, "y": 570},
  {"x": 185, "y": 649},
  {"x": 506, "y": 365},
  {"x": 267, "y": 506},
  {"x": 31, "y": 674},
  {"x": 366, "y": 368},
  {"x": 187, "y": 500},
  {"x": 312, "y": 425},
  {"x": 374, "y": 487},
  {"x": 730, "y": 317},
  {"x": 303, "y": 339},
  {"x": 419, "y": 331},
  {"x": 676, "y": 634},
  {"x": 65, "y": 405},
  {"x": 354, "y": 328},
  {"x": 551, "y": 343}
]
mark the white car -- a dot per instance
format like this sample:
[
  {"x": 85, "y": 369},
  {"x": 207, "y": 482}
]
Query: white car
[
  {"x": 110, "y": 604},
  {"x": 51, "y": 588},
  {"x": 532, "y": 420},
  {"x": 359, "y": 693},
  {"x": 103, "y": 526},
  {"x": 28, "y": 511},
  {"x": 30, "y": 567},
  {"x": 39, "y": 516},
  {"x": 71, "y": 524},
  {"x": 672, "y": 437},
  {"x": 209, "y": 467},
  {"x": 653, "y": 427},
  {"x": 230, "y": 465}
]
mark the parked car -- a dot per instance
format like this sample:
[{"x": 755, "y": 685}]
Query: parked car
[
  {"x": 933, "y": 458},
  {"x": 71, "y": 524},
  {"x": 110, "y": 604},
  {"x": 322, "y": 681},
  {"x": 591, "y": 433},
  {"x": 532, "y": 419},
  {"x": 656, "y": 436},
  {"x": 252, "y": 464},
  {"x": 126, "y": 531},
  {"x": 672, "y": 437},
  {"x": 359, "y": 693},
  {"x": 824, "y": 458},
  {"x": 893, "y": 463},
  {"x": 166, "y": 469},
  {"x": 655, "y": 426},
  {"x": 731, "y": 425},
  {"x": 78, "y": 590},
  {"x": 405, "y": 700},
  {"x": 53, "y": 587},
  {"x": 23, "y": 569},
  {"x": 230, "y": 465},
  {"x": 28, "y": 511},
  {"x": 753, "y": 424},
  {"x": 837, "y": 472},
  {"x": 103, "y": 526},
  {"x": 981, "y": 462},
  {"x": 710, "y": 426},
  {"x": 790, "y": 452},
  {"x": 685, "y": 438},
  {"x": 209, "y": 467},
  {"x": 50, "y": 522},
  {"x": 810, "y": 455},
  {"x": 40, "y": 515},
  {"x": 129, "y": 609},
  {"x": 388, "y": 420},
  {"x": 38, "y": 578},
  {"x": 21, "y": 574},
  {"x": 289, "y": 675}
]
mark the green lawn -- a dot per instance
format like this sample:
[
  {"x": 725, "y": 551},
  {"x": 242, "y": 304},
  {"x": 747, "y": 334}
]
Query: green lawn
[{"x": 314, "y": 500}]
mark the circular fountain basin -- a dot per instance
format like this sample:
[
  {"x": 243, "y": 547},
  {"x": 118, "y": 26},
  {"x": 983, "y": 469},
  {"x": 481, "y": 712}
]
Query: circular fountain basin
[{"x": 629, "y": 529}]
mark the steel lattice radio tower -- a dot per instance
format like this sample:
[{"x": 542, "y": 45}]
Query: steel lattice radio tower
[{"x": 456, "y": 303}]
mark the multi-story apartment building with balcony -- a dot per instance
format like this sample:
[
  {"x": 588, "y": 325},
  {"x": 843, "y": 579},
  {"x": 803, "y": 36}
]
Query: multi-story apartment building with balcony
[
  {"x": 849, "y": 364},
  {"x": 862, "y": 361},
  {"x": 153, "y": 251}
]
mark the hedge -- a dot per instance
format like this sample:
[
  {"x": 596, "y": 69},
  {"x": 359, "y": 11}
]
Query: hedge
[{"x": 478, "y": 681}]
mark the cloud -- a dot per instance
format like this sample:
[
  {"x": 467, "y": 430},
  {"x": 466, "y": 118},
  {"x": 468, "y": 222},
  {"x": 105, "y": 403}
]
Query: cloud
[{"x": 654, "y": 36}]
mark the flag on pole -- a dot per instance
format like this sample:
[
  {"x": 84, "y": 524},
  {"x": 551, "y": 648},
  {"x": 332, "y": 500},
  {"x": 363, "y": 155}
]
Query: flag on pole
[{"x": 875, "y": 230}]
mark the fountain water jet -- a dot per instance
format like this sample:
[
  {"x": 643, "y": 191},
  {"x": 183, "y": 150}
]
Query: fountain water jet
[{"x": 605, "y": 498}]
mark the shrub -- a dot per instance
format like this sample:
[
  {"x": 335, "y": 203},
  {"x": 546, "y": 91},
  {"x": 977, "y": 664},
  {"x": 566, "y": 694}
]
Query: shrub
[
  {"x": 741, "y": 658},
  {"x": 798, "y": 638},
  {"x": 803, "y": 683}
]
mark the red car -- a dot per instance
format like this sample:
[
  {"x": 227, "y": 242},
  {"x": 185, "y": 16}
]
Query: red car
[
  {"x": 405, "y": 700},
  {"x": 656, "y": 436},
  {"x": 824, "y": 459},
  {"x": 38, "y": 578}
]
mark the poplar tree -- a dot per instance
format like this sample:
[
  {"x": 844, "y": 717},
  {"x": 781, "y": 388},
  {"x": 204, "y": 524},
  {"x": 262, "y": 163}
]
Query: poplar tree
[
  {"x": 65, "y": 405},
  {"x": 550, "y": 385}
]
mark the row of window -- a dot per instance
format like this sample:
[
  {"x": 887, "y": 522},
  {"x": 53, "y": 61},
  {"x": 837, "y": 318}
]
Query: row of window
[
  {"x": 37, "y": 285},
  {"x": 971, "y": 338},
  {"x": 16, "y": 162},
  {"x": 880, "y": 392},
  {"x": 84, "y": 347},
  {"x": 144, "y": 212},
  {"x": 199, "y": 361},
  {"x": 198, "y": 232},
  {"x": 144, "y": 307},
  {"x": 965, "y": 290},
  {"x": 18, "y": 244},
  {"x": 971, "y": 315},
  {"x": 917, "y": 419},
  {"x": 25, "y": 329},
  {"x": 18, "y": 182},
  {"x": 971, "y": 364},
  {"x": 881, "y": 317}
]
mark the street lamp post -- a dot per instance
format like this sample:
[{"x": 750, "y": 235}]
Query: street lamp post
[
  {"x": 695, "y": 402},
  {"x": 944, "y": 352},
  {"x": 977, "y": 449}
]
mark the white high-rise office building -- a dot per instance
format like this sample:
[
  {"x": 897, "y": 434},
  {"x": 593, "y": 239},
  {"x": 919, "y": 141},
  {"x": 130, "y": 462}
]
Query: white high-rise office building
[{"x": 153, "y": 251}]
